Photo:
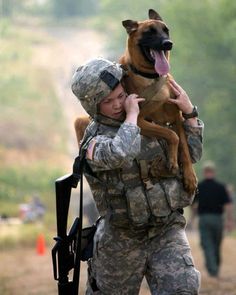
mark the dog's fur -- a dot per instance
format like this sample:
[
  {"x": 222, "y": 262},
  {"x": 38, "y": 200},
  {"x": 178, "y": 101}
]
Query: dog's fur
[
  {"x": 146, "y": 41},
  {"x": 81, "y": 124}
]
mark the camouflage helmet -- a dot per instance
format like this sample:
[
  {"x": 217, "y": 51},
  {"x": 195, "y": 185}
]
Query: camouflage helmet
[{"x": 95, "y": 80}]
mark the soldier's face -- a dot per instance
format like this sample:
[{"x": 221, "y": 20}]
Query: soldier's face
[{"x": 113, "y": 105}]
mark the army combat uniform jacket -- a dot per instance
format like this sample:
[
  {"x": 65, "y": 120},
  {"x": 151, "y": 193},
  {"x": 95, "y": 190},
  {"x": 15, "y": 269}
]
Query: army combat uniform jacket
[
  {"x": 121, "y": 180},
  {"x": 141, "y": 213}
]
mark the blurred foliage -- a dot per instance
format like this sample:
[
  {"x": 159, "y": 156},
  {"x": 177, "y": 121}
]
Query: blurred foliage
[
  {"x": 83, "y": 8},
  {"x": 32, "y": 130},
  {"x": 20, "y": 182},
  {"x": 22, "y": 235},
  {"x": 203, "y": 61},
  {"x": 6, "y": 8}
]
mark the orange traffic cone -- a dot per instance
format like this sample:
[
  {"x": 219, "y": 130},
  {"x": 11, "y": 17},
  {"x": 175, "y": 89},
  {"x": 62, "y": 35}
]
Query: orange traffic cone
[{"x": 41, "y": 248}]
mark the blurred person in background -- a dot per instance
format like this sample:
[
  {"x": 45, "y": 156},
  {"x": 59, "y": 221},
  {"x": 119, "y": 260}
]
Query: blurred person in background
[{"x": 214, "y": 207}]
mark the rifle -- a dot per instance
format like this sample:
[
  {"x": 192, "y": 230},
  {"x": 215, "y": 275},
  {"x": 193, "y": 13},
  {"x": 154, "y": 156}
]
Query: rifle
[{"x": 67, "y": 250}]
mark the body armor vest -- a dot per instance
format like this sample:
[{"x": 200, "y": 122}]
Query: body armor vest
[{"x": 130, "y": 195}]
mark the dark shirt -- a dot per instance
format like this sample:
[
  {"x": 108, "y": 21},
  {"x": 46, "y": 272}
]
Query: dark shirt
[{"x": 211, "y": 197}]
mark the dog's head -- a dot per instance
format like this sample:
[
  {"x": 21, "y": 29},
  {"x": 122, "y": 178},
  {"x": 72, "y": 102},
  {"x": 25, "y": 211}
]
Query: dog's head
[{"x": 149, "y": 43}]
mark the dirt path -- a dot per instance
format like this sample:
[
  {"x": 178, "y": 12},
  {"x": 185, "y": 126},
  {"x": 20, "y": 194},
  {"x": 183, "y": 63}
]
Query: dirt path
[
  {"x": 226, "y": 285},
  {"x": 24, "y": 272}
]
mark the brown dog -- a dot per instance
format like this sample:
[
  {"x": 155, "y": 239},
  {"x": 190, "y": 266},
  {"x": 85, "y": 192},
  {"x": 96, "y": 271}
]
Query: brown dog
[{"x": 146, "y": 61}]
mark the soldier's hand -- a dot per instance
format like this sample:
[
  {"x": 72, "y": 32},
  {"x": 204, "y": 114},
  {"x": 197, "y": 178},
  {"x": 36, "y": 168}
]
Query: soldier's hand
[
  {"x": 132, "y": 108},
  {"x": 182, "y": 100},
  {"x": 131, "y": 104}
]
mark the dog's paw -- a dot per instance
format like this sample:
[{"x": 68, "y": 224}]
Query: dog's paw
[
  {"x": 190, "y": 182},
  {"x": 159, "y": 169},
  {"x": 173, "y": 167}
]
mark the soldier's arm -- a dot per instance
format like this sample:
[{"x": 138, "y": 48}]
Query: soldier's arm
[
  {"x": 105, "y": 153},
  {"x": 194, "y": 136}
]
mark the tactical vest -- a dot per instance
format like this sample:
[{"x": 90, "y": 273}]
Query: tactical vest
[{"x": 129, "y": 195}]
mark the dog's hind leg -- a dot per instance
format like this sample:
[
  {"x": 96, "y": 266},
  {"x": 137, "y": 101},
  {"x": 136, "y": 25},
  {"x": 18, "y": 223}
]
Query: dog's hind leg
[
  {"x": 189, "y": 175},
  {"x": 154, "y": 130},
  {"x": 80, "y": 125}
]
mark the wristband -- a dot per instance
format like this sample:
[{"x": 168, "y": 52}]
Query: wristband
[{"x": 193, "y": 114}]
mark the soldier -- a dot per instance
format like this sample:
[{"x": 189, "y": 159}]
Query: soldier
[{"x": 142, "y": 228}]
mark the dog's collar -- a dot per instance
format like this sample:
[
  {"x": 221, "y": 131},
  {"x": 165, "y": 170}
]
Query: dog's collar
[{"x": 143, "y": 74}]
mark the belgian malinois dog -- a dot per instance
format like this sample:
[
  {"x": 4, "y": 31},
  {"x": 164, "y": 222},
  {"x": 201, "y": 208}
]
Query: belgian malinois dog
[{"x": 146, "y": 60}]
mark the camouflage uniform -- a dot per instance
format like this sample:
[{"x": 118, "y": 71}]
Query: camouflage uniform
[{"x": 142, "y": 232}]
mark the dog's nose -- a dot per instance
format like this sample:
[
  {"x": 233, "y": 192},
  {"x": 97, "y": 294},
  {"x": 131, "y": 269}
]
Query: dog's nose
[{"x": 166, "y": 44}]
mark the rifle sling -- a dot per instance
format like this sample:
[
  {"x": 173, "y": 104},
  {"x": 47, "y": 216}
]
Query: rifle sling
[{"x": 78, "y": 176}]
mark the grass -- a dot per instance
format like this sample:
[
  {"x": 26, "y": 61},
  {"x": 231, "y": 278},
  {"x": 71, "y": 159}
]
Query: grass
[{"x": 24, "y": 235}]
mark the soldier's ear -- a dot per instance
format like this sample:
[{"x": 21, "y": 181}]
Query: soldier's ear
[
  {"x": 154, "y": 15},
  {"x": 130, "y": 25}
]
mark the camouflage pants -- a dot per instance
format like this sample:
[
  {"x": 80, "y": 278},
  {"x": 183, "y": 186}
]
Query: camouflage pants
[{"x": 123, "y": 257}]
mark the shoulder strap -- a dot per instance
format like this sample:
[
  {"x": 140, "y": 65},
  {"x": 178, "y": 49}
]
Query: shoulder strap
[
  {"x": 79, "y": 162},
  {"x": 78, "y": 176}
]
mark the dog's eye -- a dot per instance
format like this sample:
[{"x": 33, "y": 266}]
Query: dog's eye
[
  {"x": 166, "y": 30},
  {"x": 152, "y": 30}
]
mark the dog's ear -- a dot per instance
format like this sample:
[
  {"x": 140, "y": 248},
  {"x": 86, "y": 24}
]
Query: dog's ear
[
  {"x": 130, "y": 25},
  {"x": 154, "y": 15}
]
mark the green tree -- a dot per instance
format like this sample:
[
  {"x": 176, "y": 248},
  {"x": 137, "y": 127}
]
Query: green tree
[
  {"x": 6, "y": 8},
  {"x": 62, "y": 8},
  {"x": 203, "y": 61}
]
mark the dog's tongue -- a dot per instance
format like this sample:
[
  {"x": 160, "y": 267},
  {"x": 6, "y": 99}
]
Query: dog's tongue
[{"x": 161, "y": 63}]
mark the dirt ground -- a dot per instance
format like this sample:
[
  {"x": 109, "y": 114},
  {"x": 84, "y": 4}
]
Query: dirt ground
[
  {"x": 226, "y": 285},
  {"x": 24, "y": 272}
]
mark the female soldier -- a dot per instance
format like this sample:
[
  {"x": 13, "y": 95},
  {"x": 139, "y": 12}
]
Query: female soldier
[{"x": 142, "y": 229}]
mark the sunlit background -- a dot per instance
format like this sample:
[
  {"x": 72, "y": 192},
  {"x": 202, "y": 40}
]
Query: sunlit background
[{"x": 42, "y": 42}]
